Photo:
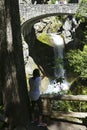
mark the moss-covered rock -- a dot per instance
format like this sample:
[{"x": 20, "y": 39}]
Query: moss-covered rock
[{"x": 45, "y": 38}]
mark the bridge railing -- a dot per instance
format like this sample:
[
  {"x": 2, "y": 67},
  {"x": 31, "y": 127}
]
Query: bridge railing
[{"x": 47, "y": 105}]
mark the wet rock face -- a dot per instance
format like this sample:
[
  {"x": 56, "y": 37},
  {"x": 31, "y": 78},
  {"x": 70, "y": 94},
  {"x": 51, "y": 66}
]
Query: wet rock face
[{"x": 42, "y": 55}]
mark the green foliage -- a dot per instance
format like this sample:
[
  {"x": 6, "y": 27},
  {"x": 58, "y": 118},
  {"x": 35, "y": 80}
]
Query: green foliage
[
  {"x": 82, "y": 10},
  {"x": 78, "y": 61},
  {"x": 84, "y": 40},
  {"x": 53, "y": 1},
  {"x": 60, "y": 105},
  {"x": 67, "y": 106}
]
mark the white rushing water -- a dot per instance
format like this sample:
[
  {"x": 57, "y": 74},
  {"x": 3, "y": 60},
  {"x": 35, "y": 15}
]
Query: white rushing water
[{"x": 54, "y": 86}]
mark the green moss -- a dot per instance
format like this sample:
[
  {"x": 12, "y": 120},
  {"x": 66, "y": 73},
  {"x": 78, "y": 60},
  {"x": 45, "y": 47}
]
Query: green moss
[{"x": 45, "y": 38}]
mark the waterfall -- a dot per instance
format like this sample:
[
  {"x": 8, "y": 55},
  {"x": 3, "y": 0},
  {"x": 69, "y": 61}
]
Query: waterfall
[
  {"x": 58, "y": 51},
  {"x": 55, "y": 86}
]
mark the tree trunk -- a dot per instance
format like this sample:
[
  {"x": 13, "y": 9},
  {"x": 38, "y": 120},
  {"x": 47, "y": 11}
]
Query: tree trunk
[{"x": 12, "y": 77}]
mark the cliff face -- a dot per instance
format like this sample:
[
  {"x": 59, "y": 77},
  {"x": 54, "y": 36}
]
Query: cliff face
[{"x": 41, "y": 53}]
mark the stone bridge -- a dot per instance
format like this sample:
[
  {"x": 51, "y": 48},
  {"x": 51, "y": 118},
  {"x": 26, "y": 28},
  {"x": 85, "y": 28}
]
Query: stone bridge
[{"x": 31, "y": 14}]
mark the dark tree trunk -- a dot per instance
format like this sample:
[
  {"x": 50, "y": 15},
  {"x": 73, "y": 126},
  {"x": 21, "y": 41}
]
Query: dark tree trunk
[{"x": 12, "y": 77}]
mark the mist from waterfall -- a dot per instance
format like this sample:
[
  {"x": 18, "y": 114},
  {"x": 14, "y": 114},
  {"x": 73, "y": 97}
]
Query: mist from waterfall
[{"x": 54, "y": 86}]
